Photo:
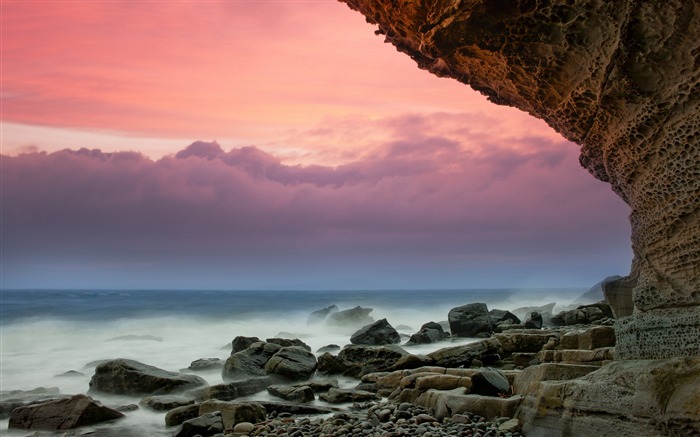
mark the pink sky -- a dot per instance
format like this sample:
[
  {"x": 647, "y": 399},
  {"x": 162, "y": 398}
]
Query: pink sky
[{"x": 362, "y": 165}]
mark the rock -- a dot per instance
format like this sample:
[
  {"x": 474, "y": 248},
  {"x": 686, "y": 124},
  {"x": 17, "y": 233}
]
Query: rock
[
  {"x": 328, "y": 348},
  {"x": 278, "y": 408},
  {"x": 203, "y": 426},
  {"x": 527, "y": 381},
  {"x": 583, "y": 315},
  {"x": 430, "y": 332},
  {"x": 165, "y": 402},
  {"x": 595, "y": 293},
  {"x": 353, "y": 318},
  {"x": 206, "y": 364},
  {"x": 321, "y": 315},
  {"x": 330, "y": 364},
  {"x": 534, "y": 321},
  {"x": 618, "y": 294},
  {"x": 503, "y": 317},
  {"x": 619, "y": 80},
  {"x": 445, "y": 403},
  {"x": 340, "y": 396},
  {"x": 318, "y": 385},
  {"x": 70, "y": 374},
  {"x": 233, "y": 390},
  {"x": 286, "y": 342},
  {"x": 178, "y": 415},
  {"x": 378, "y": 333},
  {"x": 17, "y": 398},
  {"x": 463, "y": 355},
  {"x": 525, "y": 341},
  {"x": 129, "y": 377},
  {"x": 250, "y": 361},
  {"x": 489, "y": 382},
  {"x": 469, "y": 320},
  {"x": 241, "y": 343},
  {"x": 69, "y": 413},
  {"x": 413, "y": 362},
  {"x": 291, "y": 393},
  {"x": 243, "y": 428},
  {"x": 233, "y": 413},
  {"x": 292, "y": 363},
  {"x": 358, "y": 360},
  {"x": 545, "y": 311},
  {"x": 511, "y": 425}
]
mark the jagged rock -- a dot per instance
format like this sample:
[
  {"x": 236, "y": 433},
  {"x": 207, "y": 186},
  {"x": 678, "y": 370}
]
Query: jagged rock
[
  {"x": 330, "y": 364},
  {"x": 250, "y": 361},
  {"x": 470, "y": 320},
  {"x": 583, "y": 315},
  {"x": 353, "y": 318},
  {"x": 621, "y": 80},
  {"x": 292, "y": 363},
  {"x": 165, "y": 402},
  {"x": 340, "y": 396},
  {"x": 489, "y": 382},
  {"x": 234, "y": 390},
  {"x": 69, "y": 413},
  {"x": 430, "y": 332},
  {"x": 203, "y": 426},
  {"x": 178, "y": 415},
  {"x": 241, "y": 343},
  {"x": 358, "y": 360},
  {"x": 321, "y": 315},
  {"x": 286, "y": 342},
  {"x": 455, "y": 356},
  {"x": 17, "y": 398},
  {"x": 378, "y": 333},
  {"x": 499, "y": 317},
  {"x": 292, "y": 393},
  {"x": 129, "y": 377},
  {"x": 234, "y": 412},
  {"x": 206, "y": 364},
  {"x": 534, "y": 321}
]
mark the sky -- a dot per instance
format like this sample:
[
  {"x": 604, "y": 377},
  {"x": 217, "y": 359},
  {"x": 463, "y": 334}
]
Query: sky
[{"x": 274, "y": 145}]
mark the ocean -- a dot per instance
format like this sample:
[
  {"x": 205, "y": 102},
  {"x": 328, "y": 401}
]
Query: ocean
[{"x": 46, "y": 333}]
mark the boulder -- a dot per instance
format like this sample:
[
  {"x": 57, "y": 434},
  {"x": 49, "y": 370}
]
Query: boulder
[
  {"x": 524, "y": 341},
  {"x": 358, "y": 360},
  {"x": 545, "y": 311},
  {"x": 583, "y": 315},
  {"x": 69, "y": 413},
  {"x": 489, "y": 382},
  {"x": 328, "y": 348},
  {"x": 430, "y": 332},
  {"x": 250, "y": 361},
  {"x": 233, "y": 390},
  {"x": 503, "y": 317},
  {"x": 318, "y": 385},
  {"x": 534, "y": 321},
  {"x": 353, "y": 318},
  {"x": 595, "y": 293},
  {"x": 470, "y": 320},
  {"x": 292, "y": 393},
  {"x": 206, "y": 364},
  {"x": 456, "y": 356},
  {"x": 378, "y": 333},
  {"x": 321, "y": 315},
  {"x": 446, "y": 403},
  {"x": 330, "y": 364},
  {"x": 286, "y": 342},
  {"x": 9, "y": 400},
  {"x": 241, "y": 343},
  {"x": 178, "y": 415},
  {"x": 233, "y": 413},
  {"x": 413, "y": 362},
  {"x": 203, "y": 426},
  {"x": 340, "y": 396},
  {"x": 129, "y": 377},
  {"x": 165, "y": 402},
  {"x": 292, "y": 363}
]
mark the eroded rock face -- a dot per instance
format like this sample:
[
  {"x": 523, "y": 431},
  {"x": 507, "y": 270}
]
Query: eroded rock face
[{"x": 622, "y": 79}]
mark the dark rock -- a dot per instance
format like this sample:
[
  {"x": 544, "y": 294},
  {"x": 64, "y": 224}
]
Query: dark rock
[
  {"x": 595, "y": 293},
  {"x": 490, "y": 382},
  {"x": 330, "y": 364},
  {"x": 292, "y": 393},
  {"x": 233, "y": 390},
  {"x": 17, "y": 398},
  {"x": 339, "y": 396},
  {"x": 534, "y": 321},
  {"x": 463, "y": 355},
  {"x": 180, "y": 414},
  {"x": 206, "y": 364},
  {"x": 321, "y": 315},
  {"x": 292, "y": 363},
  {"x": 69, "y": 413},
  {"x": 70, "y": 374},
  {"x": 204, "y": 426},
  {"x": 378, "y": 333},
  {"x": 503, "y": 317},
  {"x": 241, "y": 343},
  {"x": 319, "y": 385},
  {"x": 129, "y": 377},
  {"x": 285, "y": 342},
  {"x": 328, "y": 348},
  {"x": 353, "y": 318},
  {"x": 583, "y": 315},
  {"x": 234, "y": 412},
  {"x": 358, "y": 360},
  {"x": 126, "y": 408},
  {"x": 413, "y": 362},
  {"x": 470, "y": 320},
  {"x": 430, "y": 332},
  {"x": 545, "y": 311},
  {"x": 165, "y": 402},
  {"x": 250, "y": 361}
]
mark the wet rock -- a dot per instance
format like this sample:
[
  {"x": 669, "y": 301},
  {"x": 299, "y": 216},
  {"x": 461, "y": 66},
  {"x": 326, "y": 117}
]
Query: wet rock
[
  {"x": 413, "y": 362},
  {"x": 234, "y": 390},
  {"x": 378, "y": 333},
  {"x": 203, "y": 426},
  {"x": 292, "y": 363},
  {"x": 534, "y": 321},
  {"x": 206, "y": 364},
  {"x": 165, "y": 402},
  {"x": 321, "y": 315},
  {"x": 241, "y": 343},
  {"x": 129, "y": 377},
  {"x": 339, "y": 396},
  {"x": 250, "y": 361},
  {"x": 545, "y": 311},
  {"x": 318, "y": 385},
  {"x": 430, "y": 332},
  {"x": 290, "y": 393},
  {"x": 455, "y": 356},
  {"x": 233, "y": 413},
  {"x": 69, "y": 413},
  {"x": 470, "y": 320},
  {"x": 328, "y": 348},
  {"x": 180, "y": 414},
  {"x": 286, "y": 342},
  {"x": 358, "y": 360}
]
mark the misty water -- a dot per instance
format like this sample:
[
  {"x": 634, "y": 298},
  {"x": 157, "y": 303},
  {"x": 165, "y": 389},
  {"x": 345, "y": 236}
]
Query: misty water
[{"x": 45, "y": 334}]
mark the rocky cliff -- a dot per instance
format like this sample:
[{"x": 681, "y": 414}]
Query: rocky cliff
[{"x": 621, "y": 79}]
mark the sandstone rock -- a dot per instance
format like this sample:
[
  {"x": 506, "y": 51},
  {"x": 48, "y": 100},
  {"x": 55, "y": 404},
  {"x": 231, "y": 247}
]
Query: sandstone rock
[
  {"x": 353, "y": 318},
  {"x": 243, "y": 428},
  {"x": 69, "y": 413},
  {"x": 595, "y": 293},
  {"x": 618, "y": 293},
  {"x": 233, "y": 413},
  {"x": 250, "y": 361},
  {"x": 583, "y": 315},
  {"x": 203, "y": 426},
  {"x": 376, "y": 334},
  {"x": 412, "y": 362},
  {"x": 524, "y": 341},
  {"x": 318, "y": 385},
  {"x": 178, "y": 415},
  {"x": 290, "y": 393},
  {"x": 241, "y": 343},
  {"x": 430, "y": 381},
  {"x": 165, "y": 402},
  {"x": 340, "y": 396},
  {"x": 233, "y": 390},
  {"x": 527, "y": 381},
  {"x": 292, "y": 363},
  {"x": 445, "y": 403},
  {"x": 456, "y": 356},
  {"x": 286, "y": 342},
  {"x": 321, "y": 315},
  {"x": 469, "y": 320},
  {"x": 129, "y": 377}
]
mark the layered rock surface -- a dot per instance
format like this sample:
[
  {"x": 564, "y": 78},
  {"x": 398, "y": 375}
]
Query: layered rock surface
[{"x": 622, "y": 79}]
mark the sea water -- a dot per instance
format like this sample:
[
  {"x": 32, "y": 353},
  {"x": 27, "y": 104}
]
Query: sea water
[{"x": 46, "y": 333}]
